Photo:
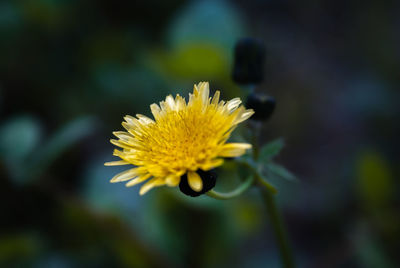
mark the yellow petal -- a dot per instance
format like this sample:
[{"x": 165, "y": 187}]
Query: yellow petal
[
  {"x": 172, "y": 180},
  {"x": 151, "y": 184},
  {"x": 126, "y": 145},
  {"x": 116, "y": 163},
  {"x": 204, "y": 91},
  {"x": 215, "y": 99},
  {"x": 170, "y": 103},
  {"x": 131, "y": 121},
  {"x": 124, "y": 136},
  {"x": 195, "y": 181},
  {"x": 233, "y": 104},
  {"x": 133, "y": 144},
  {"x": 243, "y": 115},
  {"x": 133, "y": 130},
  {"x": 234, "y": 149},
  {"x": 180, "y": 103},
  {"x": 125, "y": 175},
  {"x": 156, "y": 111},
  {"x": 138, "y": 180},
  {"x": 212, "y": 164},
  {"x": 195, "y": 90},
  {"x": 144, "y": 119}
]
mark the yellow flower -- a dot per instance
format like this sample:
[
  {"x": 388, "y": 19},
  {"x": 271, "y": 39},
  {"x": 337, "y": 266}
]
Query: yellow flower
[{"x": 183, "y": 138}]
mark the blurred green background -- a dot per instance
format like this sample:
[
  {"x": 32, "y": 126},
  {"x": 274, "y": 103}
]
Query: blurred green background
[{"x": 70, "y": 70}]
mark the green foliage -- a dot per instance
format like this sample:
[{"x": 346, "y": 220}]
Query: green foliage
[
  {"x": 271, "y": 149},
  {"x": 63, "y": 139},
  {"x": 262, "y": 168},
  {"x": 375, "y": 180},
  {"x": 270, "y": 168},
  {"x": 280, "y": 171},
  {"x": 205, "y": 21},
  {"x": 180, "y": 63},
  {"x": 17, "y": 248},
  {"x": 19, "y": 145},
  {"x": 265, "y": 182},
  {"x": 368, "y": 249},
  {"x": 18, "y": 137}
]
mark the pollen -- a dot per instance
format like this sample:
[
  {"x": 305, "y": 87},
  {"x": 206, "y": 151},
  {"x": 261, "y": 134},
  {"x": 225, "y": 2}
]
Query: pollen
[{"x": 181, "y": 139}]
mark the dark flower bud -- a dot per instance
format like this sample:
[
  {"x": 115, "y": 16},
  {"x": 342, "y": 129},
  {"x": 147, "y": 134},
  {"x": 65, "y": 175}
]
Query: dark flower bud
[
  {"x": 209, "y": 179},
  {"x": 249, "y": 61},
  {"x": 263, "y": 106}
]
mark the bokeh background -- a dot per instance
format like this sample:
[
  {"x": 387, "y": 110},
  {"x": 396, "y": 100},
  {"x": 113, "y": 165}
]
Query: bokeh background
[{"x": 70, "y": 70}]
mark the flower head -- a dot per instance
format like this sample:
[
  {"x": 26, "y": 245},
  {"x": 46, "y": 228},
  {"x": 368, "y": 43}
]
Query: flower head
[{"x": 182, "y": 140}]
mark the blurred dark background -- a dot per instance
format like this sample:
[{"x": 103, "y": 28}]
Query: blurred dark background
[{"x": 70, "y": 70}]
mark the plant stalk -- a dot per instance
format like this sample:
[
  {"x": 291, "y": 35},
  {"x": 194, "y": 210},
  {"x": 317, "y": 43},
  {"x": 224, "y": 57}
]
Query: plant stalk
[
  {"x": 238, "y": 191},
  {"x": 279, "y": 229},
  {"x": 272, "y": 208}
]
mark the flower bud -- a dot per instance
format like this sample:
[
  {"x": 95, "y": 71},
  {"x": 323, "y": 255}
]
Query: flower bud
[
  {"x": 263, "y": 106},
  {"x": 209, "y": 179},
  {"x": 249, "y": 61}
]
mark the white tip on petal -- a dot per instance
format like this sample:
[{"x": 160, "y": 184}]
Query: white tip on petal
[
  {"x": 155, "y": 110},
  {"x": 204, "y": 91},
  {"x": 131, "y": 120},
  {"x": 195, "y": 181},
  {"x": 170, "y": 102},
  {"x": 243, "y": 116},
  {"x": 179, "y": 102},
  {"x": 233, "y": 104},
  {"x": 123, "y": 135},
  {"x": 116, "y": 163},
  {"x": 144, "y": 119},
  {"x": 125, "y": 175}
]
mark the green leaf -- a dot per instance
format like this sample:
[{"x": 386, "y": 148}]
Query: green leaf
[
  {"x": 18, "y": 138},
  {"x": 62, "y": 140},
  {"x": 280, "y": 171},
  {"x": 271, "y": 149}
]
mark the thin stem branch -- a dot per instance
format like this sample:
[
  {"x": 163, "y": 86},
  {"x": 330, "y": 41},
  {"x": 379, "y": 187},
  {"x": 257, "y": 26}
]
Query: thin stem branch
[
  {"x": 238, "y": 191},
  {"x": 257, "y": 175}
]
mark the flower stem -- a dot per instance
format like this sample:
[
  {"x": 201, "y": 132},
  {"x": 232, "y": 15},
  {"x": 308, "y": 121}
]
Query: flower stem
[
  {"x": 278, "y": 227},
  {"x": 268, "y": 191},
  {"x": 256, "y": 127},
  {"x": 238, "y": 191}
]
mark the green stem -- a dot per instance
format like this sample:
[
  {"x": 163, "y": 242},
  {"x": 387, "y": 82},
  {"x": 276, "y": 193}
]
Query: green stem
[
  {"x": 279, "y": 230},
  {"x": 255, "y": 139},
  {"x": 263, "y": 182},
  {"x": 257, "y": 175},
  {"x": 268, "y": 192},
  {"x": 238, "y": 191}
]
